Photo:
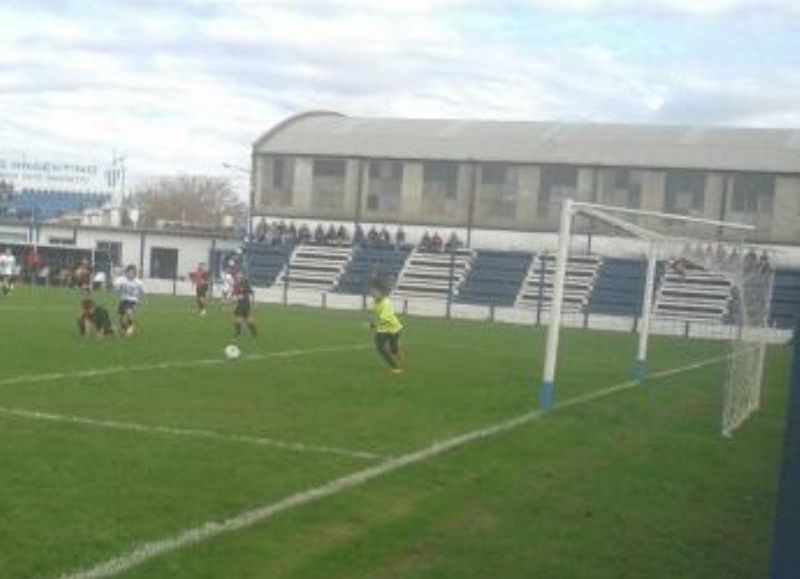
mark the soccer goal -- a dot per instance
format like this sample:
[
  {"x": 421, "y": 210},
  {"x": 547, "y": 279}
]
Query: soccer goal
[{"x": 696, "y": 277}]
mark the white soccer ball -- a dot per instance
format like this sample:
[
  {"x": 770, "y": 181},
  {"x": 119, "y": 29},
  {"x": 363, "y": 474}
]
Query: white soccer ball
[{"x": 232, "y": 352}]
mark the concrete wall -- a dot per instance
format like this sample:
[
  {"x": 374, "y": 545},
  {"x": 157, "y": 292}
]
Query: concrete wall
[{"x": 779, "y": 227}]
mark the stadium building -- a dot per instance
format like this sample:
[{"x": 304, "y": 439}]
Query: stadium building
[{"x": 494, "y": 175}]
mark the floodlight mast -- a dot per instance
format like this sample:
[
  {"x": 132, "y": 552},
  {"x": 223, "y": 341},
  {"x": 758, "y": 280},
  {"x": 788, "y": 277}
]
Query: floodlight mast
[{"x": 603, "y": 213}]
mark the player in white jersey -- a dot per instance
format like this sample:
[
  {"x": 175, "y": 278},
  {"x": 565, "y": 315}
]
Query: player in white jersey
[
  {"x": 227, "y": 286},
  {"x": 8, "y": 265},
  {"x": 131, "y": 292}
]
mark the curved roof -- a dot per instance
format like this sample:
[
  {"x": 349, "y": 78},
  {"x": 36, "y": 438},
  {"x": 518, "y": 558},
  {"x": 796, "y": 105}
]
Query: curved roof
[{"x": 332, "y": 134}]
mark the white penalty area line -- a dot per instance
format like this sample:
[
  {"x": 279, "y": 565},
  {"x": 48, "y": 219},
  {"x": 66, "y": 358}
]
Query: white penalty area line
[
  {"x": 53, "y": 376},
  {"x": 212, "y": 529},
  {"x": 185, "y": 432}
]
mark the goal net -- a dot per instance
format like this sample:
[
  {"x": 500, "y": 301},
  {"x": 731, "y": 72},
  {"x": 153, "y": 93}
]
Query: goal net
[{"x": 664, "y": 274}]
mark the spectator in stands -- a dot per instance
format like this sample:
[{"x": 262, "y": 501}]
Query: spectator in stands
[
  {"x": 720, "y": 254},
  {"x": 304, "y": 233},
  {"x": 426, "y": 244},
  {"x": 358, "y": 235},
  {"x": 385, "y": 237},
  {"x": 750, "y": 260},
  {"x": 330, "y": 236},
  {"x": 319, "y": 235},
  {"x": 454, "y": 242},
  {"x": 262, "y": 231},
  {"x": 342, "y": 236},
  {"x": 292, "y": 233},
  {"x": 400, "y": 237},
  {"x": 763, "y": 262},
  {"x": 734, "y": 259},
  {"x": 372, "y": 236},
  {"x": 282, "y": 228},
  {"x": 436, "y": 242}
]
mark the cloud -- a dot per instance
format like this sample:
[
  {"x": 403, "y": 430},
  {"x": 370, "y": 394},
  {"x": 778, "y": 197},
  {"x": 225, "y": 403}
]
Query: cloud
[{"x": 188, "y": 85}]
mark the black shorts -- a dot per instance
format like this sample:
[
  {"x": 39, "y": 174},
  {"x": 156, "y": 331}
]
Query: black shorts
[
  {"x": 202, "y": 290},
  {"x": 102, "y": 323},
  {"x": 126, "y": 306},
  {"x": 243, "y": 308},
  {"x": 386, "y": 339}
]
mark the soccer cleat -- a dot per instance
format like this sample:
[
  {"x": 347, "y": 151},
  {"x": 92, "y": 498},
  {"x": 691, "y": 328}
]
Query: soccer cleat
[{"x": 397, "y": 371}]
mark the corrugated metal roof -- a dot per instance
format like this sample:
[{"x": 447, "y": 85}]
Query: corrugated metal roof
[{"x": 587, "y": 144}]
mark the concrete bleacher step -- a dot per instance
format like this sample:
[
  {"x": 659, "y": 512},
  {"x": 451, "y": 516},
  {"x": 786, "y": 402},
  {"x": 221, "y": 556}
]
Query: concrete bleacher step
[
  {"x": 316, "y": 266},
  {"x": 433, "y": 274},
  {"x": 579, "y": 280}
]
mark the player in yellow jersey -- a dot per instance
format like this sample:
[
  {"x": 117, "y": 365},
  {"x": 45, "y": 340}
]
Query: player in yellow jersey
[{"x": 387, "y": 326}]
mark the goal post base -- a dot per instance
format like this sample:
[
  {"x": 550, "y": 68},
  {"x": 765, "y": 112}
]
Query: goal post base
[
  {"x": 546, "y": 395},
  {"x": 639, "y": 369}
]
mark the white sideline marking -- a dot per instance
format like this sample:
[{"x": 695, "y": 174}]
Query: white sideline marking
[
  {"x": 31, "y": 378},
  {"x": 211, "y": 529},
  {"x": 187, "y": 432}
]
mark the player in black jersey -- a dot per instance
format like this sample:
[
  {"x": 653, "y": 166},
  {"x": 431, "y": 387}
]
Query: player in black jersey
[
  {"x": 94, "y": 320},
  {"x": 245, "y": 301}
]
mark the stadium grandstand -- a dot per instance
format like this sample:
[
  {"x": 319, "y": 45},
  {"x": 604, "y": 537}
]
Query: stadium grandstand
[
  {"x": 41, "y": 191},
  {"x": 385, "y": 188}
]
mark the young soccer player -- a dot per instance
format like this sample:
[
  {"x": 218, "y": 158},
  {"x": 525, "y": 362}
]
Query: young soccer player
[
  {"x": 387, "y": 326},
  {"x": 227, "y": 285},
  {"x": 131, "y": 292},
  {"x": 8, "y": 264},
  {"x": 94, "y": 320},
  {"x": 83, "y": 276},
  {"x": 202, "y": 282},
  {"x": 245, "y": 300}
]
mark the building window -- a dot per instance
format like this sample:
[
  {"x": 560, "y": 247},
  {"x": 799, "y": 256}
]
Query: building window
[
  {"x": 163, "y": 263},
  {"x": 61, "y": 241},
  {"x": 385, "y": 186},
  {"x": 558, "y": 182},
  {"x": 685, "y": 192},
  {"x": 753, "y": 193},
  {"x": 440, "y": 180},
  {"x": 498, "y": 191},
  {"x": 328, "y": 186},
  {"x": 277, "y": 181},
  {"x": 621, "y": 188}
]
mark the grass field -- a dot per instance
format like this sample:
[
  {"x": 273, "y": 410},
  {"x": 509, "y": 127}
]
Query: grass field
[{"x": 107, "y": 446}]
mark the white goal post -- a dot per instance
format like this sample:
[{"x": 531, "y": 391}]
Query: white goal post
[{"x": 653, "y": 240}]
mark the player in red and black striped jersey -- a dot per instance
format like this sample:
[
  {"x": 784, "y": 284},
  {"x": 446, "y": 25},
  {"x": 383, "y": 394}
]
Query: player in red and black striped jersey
[
  {"x": 201, "y": 278},
  {"x": 245, "y": 302},
  {"x": 94, "y": 320}
]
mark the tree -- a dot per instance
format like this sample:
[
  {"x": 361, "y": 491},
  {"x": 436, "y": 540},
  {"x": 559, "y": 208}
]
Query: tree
[{"x": 196, "y": 200}]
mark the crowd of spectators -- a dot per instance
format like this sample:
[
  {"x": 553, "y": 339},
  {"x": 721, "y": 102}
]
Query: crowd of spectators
[
  {"x": 722, "y": 257},
  {"x": 283, "y": 233}
]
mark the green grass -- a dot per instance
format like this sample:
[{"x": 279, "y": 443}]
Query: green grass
[{"x": 637, "y": 484}]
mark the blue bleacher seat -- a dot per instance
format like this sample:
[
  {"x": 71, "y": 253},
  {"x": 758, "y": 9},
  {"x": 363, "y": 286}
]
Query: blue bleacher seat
[
  {"x": 264, "y": 263},
  {"x": 619, "y": 286},
  {"x": 44, "y": 205},
  {"x": 786, "y": 298},
  {"x": 495, "y": 278},
  {"x": 386, "y": 261}
]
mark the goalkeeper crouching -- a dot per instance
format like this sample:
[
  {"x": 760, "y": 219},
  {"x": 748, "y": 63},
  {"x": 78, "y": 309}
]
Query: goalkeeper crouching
[{"x": 387, "y": 326}]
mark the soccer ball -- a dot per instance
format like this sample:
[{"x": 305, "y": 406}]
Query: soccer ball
[{"x": 232, "y": 352}]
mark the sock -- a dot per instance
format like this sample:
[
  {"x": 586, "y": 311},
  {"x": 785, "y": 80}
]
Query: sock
[
  {"x": 237, "y": 329},
  {"x": 252, "y": 327}
]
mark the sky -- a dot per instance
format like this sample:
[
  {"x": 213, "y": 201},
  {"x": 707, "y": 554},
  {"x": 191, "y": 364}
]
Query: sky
[{"x": 182, "y": 86}]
